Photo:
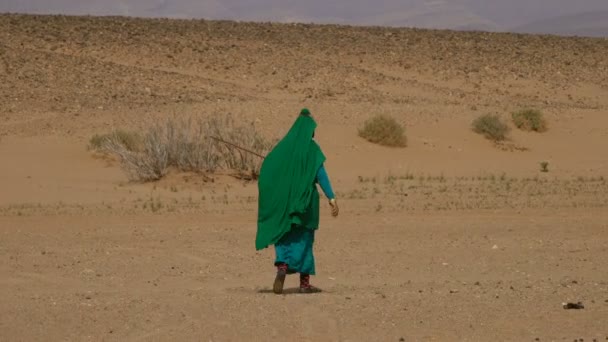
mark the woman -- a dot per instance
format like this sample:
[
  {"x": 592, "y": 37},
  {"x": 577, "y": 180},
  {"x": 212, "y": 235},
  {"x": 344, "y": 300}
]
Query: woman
[{"x": 288, "y": 207}]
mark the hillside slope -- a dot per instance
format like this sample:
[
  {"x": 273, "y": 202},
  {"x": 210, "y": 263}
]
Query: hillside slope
[
  {"x": 114, "y": 61},
  {"x": 77, "y": 76}
]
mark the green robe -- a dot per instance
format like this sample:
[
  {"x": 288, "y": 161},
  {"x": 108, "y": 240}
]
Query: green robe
[{"x": 288, "y": 195}]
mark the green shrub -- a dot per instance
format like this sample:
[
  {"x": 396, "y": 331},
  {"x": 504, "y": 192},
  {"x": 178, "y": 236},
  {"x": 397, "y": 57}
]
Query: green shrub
[
  {"x": 491, "y": 126},
  {"x": 530, "y": 120},
  {"x": 383, "y": 130},
  {"x": 544, "y": 166}
]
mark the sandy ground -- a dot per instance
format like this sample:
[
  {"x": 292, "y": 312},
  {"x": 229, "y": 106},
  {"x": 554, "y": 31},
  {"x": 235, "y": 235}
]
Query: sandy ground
[
  {"x": 451, "y": 238},
  {"x": 196, "y": 277}
]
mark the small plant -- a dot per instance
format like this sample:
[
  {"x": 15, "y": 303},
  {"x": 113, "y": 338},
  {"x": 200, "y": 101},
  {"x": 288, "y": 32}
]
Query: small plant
[
  {"x": 155, "y": 204},
  {"x": 367, "y": 179},
  {"x": 544, "y": 166},
  {"x": 390, "y": 179},
  {"x": 530, "y": 120},
  {"x": 383, "y": 130},
  {"x": 408, "y": 176},
  {"x": 491, "y": 126}
]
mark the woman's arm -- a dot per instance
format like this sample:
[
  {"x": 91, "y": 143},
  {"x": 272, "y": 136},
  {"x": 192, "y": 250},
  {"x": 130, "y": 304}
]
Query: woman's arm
[{"x": 325, "y": 184}]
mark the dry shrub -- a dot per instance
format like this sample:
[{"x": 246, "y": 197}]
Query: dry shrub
[
  {"x": 245, "y": 136},
  {"x": 130, "y": 140},
  {"x": 149, "y": 163},
  {"x": 530, "y": 120},
  {"x": 188, "y": 149},
  {"x": 544, "y": 166},
  {"x": 491, "y": 126},
  {"x": 186, "y": 145},
  {"x": 383, "y": 130}
]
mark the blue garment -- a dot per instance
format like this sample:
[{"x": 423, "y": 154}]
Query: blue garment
[
  {"x": 295, "y": 250},
  {"x": 323, "y": 181}
]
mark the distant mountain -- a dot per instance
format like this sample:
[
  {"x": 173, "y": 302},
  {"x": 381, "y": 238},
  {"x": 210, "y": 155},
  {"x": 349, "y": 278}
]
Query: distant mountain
[
  {"x": 135, "y": 8},
  {"x": 486, "y": 15},
  {"x": 515, "y": 13},
  {"x": 591, "y": 24},
  {"x": 413, "y": 13}
]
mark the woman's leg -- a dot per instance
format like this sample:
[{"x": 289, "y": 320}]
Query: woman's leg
[
  {"x": 294, "y": 254},
  {"x": 308, "y": 264},
  {"x": 283, "y": 259},
  {"x": 279, "y": 280}
]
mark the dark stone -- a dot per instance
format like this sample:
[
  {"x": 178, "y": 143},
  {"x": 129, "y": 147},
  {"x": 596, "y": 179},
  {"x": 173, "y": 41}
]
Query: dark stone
[{"x": 576, "y": 306}]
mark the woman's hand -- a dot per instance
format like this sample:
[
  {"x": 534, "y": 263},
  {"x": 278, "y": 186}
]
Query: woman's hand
[{"x": 334, "y": 207}]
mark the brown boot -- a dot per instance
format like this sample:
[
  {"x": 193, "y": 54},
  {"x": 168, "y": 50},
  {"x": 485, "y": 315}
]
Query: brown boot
[
  {"x": 279, "y": 280},
  {"x": 305, "y": 286}
]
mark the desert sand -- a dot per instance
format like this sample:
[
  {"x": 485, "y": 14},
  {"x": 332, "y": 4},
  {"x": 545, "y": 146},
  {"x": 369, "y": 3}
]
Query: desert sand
[{"x": 451, "y": 238}]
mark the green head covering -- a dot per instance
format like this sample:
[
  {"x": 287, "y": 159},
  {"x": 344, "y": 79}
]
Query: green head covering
[{"x": 287, "y": 191}]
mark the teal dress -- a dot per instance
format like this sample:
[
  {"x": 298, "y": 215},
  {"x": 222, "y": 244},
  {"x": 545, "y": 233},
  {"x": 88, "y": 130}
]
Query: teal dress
[{"x": 295, "y": 247}]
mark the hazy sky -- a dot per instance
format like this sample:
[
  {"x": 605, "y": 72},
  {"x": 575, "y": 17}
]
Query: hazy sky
[{"x": 456, "y": 14}]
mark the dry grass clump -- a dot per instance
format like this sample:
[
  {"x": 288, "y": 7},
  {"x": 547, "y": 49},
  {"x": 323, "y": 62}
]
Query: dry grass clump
[
  {"x": 383, "y": 130},
  {"x": 185, "y": 145},
  {"x": 245, "y": 135},
  {"x": 530, "y": 120},
  {"x": 130, "y": 140},
  {"x": 491, "y": 126}
]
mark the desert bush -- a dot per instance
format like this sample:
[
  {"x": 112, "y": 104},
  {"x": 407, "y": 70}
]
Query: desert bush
[
  {"x": 188, "y": 148},
  {"x": 245, "y": 135},
  {"x": 130, "y": 140},
  {"x": 383, "y": 130},
  {"x": 186, "y": 145},
  {"x": 491, "y": 126},
  {"x": 544, "y": 166},
  {"x": 530, "y": 120},
  {"x": 150, "y": 163}
]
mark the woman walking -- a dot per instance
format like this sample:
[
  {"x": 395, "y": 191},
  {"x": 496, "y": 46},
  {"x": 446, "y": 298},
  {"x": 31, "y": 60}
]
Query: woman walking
[{"x": 288, "y": 207}]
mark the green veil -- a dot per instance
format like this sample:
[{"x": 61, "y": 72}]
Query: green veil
[{"x": 286, "y": 186}]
